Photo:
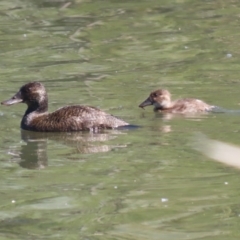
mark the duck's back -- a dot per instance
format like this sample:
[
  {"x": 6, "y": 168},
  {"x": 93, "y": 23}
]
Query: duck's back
[
  {"x": 72, "y": 118},
  {"x": 190, "y": 105}
]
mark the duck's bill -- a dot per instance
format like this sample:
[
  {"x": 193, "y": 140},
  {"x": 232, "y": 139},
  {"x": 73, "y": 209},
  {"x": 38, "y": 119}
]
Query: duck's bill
[
  {"x": 15, "y": 99},
  {"x": 147, "y": 102}
]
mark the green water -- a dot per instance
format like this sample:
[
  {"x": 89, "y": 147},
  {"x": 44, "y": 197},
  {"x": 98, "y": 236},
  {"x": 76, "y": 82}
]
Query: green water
[{"x": 143, "y": 184}]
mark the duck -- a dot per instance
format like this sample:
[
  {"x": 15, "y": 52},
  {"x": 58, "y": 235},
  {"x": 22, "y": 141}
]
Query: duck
[
  {"x": 161, "y": 100},
  {"x": 66, "y": 119}
]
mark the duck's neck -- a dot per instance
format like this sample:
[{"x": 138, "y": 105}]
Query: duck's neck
[
  {"x": 37, "y": 107},
  {"x": 33, "y": 111},
  {"x": 164, "y": 105},
  {"x": 161, "y": 108}
]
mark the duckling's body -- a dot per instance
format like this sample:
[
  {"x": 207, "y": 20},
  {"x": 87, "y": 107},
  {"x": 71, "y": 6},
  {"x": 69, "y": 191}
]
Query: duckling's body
[
  {"x": 65, "y": 119},
  {"x": 161, "y": 99}
]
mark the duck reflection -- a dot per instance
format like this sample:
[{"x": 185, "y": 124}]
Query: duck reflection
[{"x": 33, "y": 154}]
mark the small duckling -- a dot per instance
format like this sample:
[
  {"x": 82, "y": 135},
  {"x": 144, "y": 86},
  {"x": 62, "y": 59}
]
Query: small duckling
[
  {"x": 161, "y": 100},
  {"x": 65, "y": 119}
]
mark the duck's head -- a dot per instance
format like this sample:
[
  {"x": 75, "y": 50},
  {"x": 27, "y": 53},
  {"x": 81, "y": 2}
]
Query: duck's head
[
  {"x": 33, "y": 94},
  {"x": 161, "y": 99}
]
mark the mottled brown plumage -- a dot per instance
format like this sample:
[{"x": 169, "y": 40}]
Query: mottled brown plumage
[
  {"x": 66, "y": 119},
  {"x": 161, "y": 99}
]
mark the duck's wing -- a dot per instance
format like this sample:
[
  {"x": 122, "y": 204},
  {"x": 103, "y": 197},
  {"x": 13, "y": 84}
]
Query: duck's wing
[
  {"x": 190, "y": 105},
  {"x": 77, "y": 118}
]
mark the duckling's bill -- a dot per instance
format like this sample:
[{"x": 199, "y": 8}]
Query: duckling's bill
[{"x": 145, "y": 103}]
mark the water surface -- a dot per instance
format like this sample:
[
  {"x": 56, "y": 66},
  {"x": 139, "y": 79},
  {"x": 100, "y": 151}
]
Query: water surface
[{"x": 146, "y": 183}]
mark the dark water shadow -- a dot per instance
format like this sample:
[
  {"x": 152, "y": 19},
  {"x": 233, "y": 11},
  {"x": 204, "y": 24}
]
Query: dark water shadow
[
  {"x": 57, "y": 62},
  {"x": 34, "y": 155},
  {"x": 215, "y": 110}
]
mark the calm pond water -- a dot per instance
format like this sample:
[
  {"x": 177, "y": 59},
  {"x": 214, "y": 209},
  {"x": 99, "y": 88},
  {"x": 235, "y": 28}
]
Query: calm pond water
[{"x": 147, "y": 183}]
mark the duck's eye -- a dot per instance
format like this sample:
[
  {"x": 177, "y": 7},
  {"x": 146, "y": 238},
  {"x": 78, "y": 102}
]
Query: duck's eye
[{"x": 155, "y": 94}]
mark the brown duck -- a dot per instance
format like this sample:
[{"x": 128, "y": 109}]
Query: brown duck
[
  {"x": 161, "y": 100},
  {"x": 65, "y": 119}
]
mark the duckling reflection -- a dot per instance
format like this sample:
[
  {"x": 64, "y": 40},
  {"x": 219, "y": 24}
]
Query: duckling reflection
[{"x": 33, "y": 154}]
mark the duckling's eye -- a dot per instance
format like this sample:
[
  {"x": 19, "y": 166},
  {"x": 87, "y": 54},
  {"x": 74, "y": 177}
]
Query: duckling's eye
[{"x": 155, "y": 94}]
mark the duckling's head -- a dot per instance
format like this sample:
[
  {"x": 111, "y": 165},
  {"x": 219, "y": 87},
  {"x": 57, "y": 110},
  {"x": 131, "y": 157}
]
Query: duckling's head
[
  {"x": 33, "y": 94},
  {"x": 161, "y": 99}
]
